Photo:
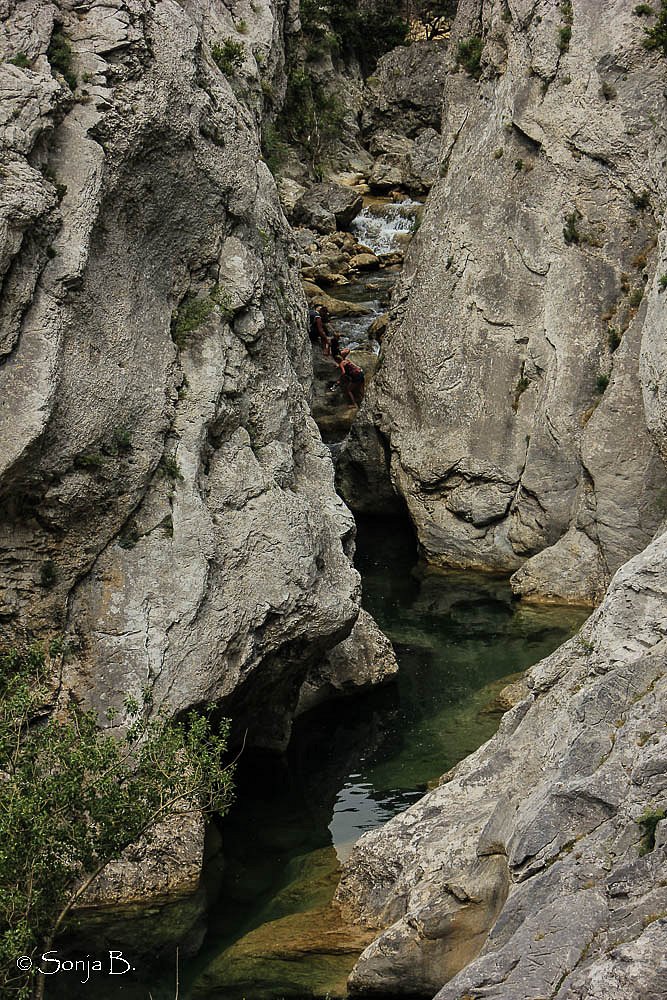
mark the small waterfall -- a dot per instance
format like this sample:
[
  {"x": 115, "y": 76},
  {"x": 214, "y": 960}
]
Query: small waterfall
[{"x": 380, "y": 226}]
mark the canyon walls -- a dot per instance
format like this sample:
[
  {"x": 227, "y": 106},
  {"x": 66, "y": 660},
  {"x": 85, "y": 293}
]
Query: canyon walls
[
  {"x": 513, "y": 410},
  {"x": 167, "y": 503}
]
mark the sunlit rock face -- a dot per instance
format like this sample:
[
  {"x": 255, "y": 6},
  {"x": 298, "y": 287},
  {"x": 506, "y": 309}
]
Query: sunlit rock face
[{"x": 520, "y": 399}]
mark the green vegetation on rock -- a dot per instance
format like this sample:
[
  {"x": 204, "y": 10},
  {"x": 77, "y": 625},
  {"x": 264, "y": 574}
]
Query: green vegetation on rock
[
  {"x": 228, "y": 56},
  {"x": 73, "y": 798},
  {"x": 60, "y": 56},
  {"x": 469, "y": 55},
  {"x": 656, "y": 37}
]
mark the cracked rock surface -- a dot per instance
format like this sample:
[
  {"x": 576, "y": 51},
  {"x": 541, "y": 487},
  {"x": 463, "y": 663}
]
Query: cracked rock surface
[
  {"x": 538, "y": 866},
  {"x": 522, "y": 374},
  {"x": 166, "y": 499}
]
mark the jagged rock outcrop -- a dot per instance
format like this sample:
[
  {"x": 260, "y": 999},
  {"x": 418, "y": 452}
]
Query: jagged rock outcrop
[
  {"x": 166, "y": 499},
  {"x": 539, "y": 862},
  {"x": 518, "y": 386},
  {"x": 362, "y": 661},
  {"x": 401, "y": 116}
]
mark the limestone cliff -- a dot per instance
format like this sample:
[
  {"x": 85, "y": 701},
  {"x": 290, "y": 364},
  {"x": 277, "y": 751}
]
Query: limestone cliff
[
  {"x": 166, "y": 500},
  {"x": 546, "y": 849},
  {"x": 522, "y": 371}
]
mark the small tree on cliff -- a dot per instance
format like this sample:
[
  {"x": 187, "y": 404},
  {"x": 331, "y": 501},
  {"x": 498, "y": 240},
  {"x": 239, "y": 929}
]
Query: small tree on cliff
[{"x": 73, "y": 797}]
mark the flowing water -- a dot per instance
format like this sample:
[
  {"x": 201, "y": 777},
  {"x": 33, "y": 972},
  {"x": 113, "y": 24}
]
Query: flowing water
[{"x": 268, "y": 929}]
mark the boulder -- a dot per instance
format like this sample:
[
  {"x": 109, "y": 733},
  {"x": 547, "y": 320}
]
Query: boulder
[
  {"x": 364, "y": 262},
  {"x": 327, "y": 207},
  {"x": 520, "y": 397},
  {"x": 364, "y": 660}
]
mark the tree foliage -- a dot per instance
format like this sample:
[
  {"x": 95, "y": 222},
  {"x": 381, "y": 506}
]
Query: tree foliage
[{"x": 74, "y": 797}]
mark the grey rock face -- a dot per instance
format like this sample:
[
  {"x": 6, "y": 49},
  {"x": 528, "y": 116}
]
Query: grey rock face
[
  {"x": 327, "y": 207},
  {"x": 539, "y": 862},
  {"x": 401, "y": 117},
  {"x": 362, "y": 661},
  {"x": 166, "y": 499},
  {"x": 531, "y": 283}
]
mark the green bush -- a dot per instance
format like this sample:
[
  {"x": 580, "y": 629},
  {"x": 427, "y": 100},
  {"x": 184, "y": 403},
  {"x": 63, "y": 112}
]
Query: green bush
[
  {"x": 601, "y": 383},
  {"x": 193, "y": 311},
  {"x": 170, "y": 468},
  {"x": 662, "y": 283},
  {"x": 469, "y": 55},
  {"x": 73, "y": 798},
  {"x": 228, "y": 56},
  {"x": 644, "y": 10},
  {"x": 636, "y": 297},
  {"x": 613, "y": 338},
  {"x": 648, "y": 823},
  {"x": 21, "y": 60},
  {"x": 89, "y": 460},
  {"x": 60, "y": 56},
  {"x": 565, "y": 31},
  {"x": 656, "y": 37}
]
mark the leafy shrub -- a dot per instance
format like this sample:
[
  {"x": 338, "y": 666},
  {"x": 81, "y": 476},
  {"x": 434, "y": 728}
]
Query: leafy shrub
[
  {"x": 73, "y": 798},
  {"x": 613, "y": 338},
  {"x": 636, "y": 297},
  {"x": 170, "y": 468},
  {"x": 601, "y": 383},
  {"x": 656, "y": 37},
  {"x": 662, "y": 283},
  {"x": 89, "y": 460},
  {"x": 565, "y": 31},
  {"x": 193, "y": 311},
  {"x": 644, "y": 10},
  {"x": 60, "y": 56},
  {"x": 21, "y": 60},
  {"x": 648, "y": 822},
  {"x": 228, "y": 56},
  {"x": 122, "y": 439},
  {"x": 469, "y": 55}
]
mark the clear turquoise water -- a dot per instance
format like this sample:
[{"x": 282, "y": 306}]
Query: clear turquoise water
[{"x": 267, "y": 929}]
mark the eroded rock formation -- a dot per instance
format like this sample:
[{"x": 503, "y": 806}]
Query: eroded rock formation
[
  {"x": 546, "y": 849},
  {"x": 166, "y": 499},
  {"x": 520, "y": 375}
]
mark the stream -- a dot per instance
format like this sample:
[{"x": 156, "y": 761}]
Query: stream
[{"x": 262, "y": 927}]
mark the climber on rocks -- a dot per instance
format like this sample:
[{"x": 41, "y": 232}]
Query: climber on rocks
[
  {"x": 352, "y": 379},
  {"x": 319, "y": 331}
]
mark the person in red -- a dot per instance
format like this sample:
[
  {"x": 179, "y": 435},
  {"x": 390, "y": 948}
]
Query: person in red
[{"x": 352, "y": 379}]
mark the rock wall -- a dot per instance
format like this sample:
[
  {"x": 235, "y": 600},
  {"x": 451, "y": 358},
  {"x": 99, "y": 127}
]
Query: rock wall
[
  {"x": 166, "y": 499},
  {"x": 522, "y": 372},
  {"x": 539, "y": 861}
]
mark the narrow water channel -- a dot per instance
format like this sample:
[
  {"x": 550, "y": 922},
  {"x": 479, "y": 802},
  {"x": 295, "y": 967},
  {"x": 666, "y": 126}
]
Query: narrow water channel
[{"x": 269, "y": 931}]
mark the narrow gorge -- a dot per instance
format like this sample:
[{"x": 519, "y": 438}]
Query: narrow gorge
[{"x": 434, "y": 610}]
